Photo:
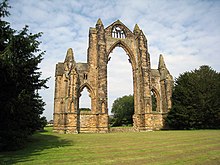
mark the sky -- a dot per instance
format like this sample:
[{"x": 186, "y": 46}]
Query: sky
[{"x": 186, "y": 32}]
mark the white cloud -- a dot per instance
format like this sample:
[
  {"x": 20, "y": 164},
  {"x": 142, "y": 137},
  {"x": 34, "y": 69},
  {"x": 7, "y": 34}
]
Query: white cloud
[{"x": 186, "y": 32}]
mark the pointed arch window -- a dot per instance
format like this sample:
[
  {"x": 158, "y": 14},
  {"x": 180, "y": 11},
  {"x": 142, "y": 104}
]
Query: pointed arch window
[
  {"x": 85, "y": 100},
  {"x": 117, "y": 32},
  {"x": 153, "y": 101}
]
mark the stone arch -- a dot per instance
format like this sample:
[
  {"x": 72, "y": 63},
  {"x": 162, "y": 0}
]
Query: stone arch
[
  {"x": 91, "y": 94},
  {"x": 86, "y": 85},
  {"x": 124, "y": 44},
  {"x": 127, "y": 53},
  {"x": 157, "y": 95},
  {"x": 126, "y": 48}
]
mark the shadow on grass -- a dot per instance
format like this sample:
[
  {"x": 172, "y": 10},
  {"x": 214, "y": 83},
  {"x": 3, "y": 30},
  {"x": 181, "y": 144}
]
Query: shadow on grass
[{"x": 36, "y": 145}]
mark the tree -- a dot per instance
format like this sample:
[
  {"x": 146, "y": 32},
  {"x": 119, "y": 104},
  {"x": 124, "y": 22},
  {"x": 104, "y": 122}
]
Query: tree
[
  {"x": 196, "y": 100},
  {"x": 123, "y": 109},
  {"x": 43, "y": 122},
  {"x": 21, "y": 105}
]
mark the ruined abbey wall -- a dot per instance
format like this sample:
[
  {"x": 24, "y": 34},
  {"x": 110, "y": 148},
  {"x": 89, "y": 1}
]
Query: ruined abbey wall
[{"x": 72, "y": 78}]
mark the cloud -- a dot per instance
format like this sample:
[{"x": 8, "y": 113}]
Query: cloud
[{"x": 187, "y": 33}]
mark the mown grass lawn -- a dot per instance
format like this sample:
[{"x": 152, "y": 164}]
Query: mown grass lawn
[{"x": 157, "y": 147}]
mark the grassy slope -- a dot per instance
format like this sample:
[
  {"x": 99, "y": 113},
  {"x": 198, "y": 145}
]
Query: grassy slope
[{"x": 159, "y": 147}]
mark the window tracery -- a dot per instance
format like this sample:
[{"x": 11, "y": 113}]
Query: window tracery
[{"x": 117, "y": 32}]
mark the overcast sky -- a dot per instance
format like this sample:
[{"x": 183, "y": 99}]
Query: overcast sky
[{"x": 186, "y": 32}]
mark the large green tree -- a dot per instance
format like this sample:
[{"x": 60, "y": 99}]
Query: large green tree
[
  {"x": 196, "y": 100},
  {"x": 20, "y": 103},
  {"x": 123, "y": 110}
]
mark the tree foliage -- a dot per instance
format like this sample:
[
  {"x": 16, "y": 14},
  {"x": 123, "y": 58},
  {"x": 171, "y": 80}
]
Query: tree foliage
[
  {"x": 196, "y": 100},
  {"x": 123, "y": 110},
  {"x": 21, "y": 105}
]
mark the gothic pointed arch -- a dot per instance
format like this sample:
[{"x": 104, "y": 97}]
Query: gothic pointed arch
[
  {"x": 91, "y": 95},
  {"x": 157, "y": 97},
  {"x": 118, "y": 30},
  {"x": 126, "y": 48},
  {"x": 120, "y": 24},
  {"x": 89, "y": 88}
]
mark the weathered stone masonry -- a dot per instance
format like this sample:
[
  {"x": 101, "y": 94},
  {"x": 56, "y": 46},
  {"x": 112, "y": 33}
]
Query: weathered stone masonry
[{"x": 72, "y": 78}]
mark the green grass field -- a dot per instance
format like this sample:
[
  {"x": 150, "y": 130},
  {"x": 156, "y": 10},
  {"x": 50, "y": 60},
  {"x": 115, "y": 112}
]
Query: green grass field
[{"x": 158, "y": 147}]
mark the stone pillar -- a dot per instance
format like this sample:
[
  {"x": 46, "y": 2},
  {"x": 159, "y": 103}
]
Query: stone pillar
[
  {"x": 146, "y": 68},
  {"x": 102, "y": 69}
]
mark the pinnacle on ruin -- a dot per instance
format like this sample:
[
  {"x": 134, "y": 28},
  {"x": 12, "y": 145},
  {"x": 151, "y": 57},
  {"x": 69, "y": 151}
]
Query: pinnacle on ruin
[
  {"x": 69, "y": 55},
  {"x": 118, "y": 21},
  {"x": 99, "y": 22},
  {"x": 136, "y": 30},
  {"x": 136, "y": 27},
  {"x": 161, "y": 62}
]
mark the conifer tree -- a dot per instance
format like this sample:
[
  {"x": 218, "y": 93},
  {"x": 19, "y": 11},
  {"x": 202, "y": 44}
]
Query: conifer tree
[
  {"x": 196, "y": 100},
  {"x": 20, "y": 103}
]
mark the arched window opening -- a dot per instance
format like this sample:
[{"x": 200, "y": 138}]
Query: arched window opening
[
  {"x": 153, "y": 101},
  {"x": 120, "y": 83},
  {"x": 85, "y": 100},
  {"x": 117, "y": 32}
]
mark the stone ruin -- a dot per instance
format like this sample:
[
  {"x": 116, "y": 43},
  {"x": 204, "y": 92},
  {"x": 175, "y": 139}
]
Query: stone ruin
[{"x": 72, "y": 78}]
